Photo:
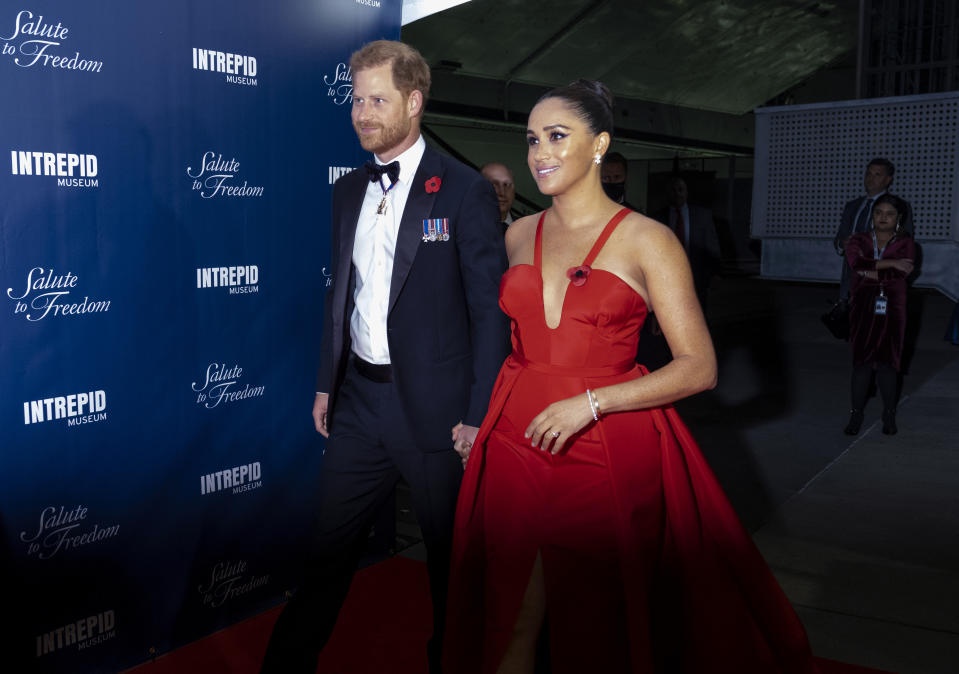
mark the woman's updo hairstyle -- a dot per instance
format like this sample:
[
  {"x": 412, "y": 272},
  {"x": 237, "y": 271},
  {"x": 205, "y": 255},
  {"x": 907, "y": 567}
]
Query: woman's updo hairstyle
[{"x": 590, "y": 100}]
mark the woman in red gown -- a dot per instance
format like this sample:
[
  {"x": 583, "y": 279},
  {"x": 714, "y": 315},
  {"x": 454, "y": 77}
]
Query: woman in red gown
[{"x": 586, "y": 505}]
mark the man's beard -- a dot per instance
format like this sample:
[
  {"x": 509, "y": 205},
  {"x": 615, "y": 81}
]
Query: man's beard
[{"x": 385, "y": 139}]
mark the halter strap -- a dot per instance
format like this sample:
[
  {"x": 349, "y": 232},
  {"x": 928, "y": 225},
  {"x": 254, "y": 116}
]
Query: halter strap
[
  {"x": 594, "y": 251},
  {"x": 607, "y": 231},
  {"x": 538, "y": 248}
]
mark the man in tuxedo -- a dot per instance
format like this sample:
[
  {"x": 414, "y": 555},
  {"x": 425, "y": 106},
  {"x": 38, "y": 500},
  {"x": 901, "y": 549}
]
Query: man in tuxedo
[
  {"x": 501, "y": 178},
  {"x": 857, "y": 214},
  {"x": 413, "y": 338},
  {"x": 695, "y": 229}
]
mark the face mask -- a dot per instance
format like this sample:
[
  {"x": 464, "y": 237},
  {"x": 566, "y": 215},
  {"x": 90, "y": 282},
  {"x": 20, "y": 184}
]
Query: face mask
[{"x": 615, "y": 191}]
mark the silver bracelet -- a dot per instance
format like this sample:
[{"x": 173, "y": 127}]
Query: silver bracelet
[
  {"x": 593, "y": 404},
  {"x": 599, "y": 412}
]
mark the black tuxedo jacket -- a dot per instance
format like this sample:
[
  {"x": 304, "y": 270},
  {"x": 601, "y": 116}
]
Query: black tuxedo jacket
[{"x": 446, "y": 332}]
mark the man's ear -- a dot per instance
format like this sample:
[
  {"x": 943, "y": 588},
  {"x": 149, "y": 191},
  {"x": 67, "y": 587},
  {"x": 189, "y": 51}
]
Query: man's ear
[{"x": 415, "y": 103}]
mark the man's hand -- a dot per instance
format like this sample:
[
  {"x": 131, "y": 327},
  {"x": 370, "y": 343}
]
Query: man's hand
[
  {"x": 320, "y": 403},
  {"x": 463, "y": 438}
]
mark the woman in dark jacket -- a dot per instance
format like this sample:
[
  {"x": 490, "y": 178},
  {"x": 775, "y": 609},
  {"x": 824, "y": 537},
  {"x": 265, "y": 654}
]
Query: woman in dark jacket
[{"x": 880, "y": 260}]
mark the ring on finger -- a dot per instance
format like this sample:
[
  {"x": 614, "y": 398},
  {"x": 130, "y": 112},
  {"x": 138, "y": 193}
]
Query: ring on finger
[{"x": 555, "y": 434}]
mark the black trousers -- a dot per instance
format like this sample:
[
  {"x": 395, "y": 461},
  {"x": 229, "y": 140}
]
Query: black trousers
[{"x": 369, "y": 448}]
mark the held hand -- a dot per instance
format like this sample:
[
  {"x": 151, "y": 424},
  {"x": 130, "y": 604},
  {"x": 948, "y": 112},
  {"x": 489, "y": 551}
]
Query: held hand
[
  {"x": 320, "y": 403},
  {"x": 552, "y": 428},
  {"x": 463, "y": 438}
]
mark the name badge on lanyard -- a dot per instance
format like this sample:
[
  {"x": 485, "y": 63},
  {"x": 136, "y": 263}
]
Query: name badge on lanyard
[{"x": 880, "y": 308}]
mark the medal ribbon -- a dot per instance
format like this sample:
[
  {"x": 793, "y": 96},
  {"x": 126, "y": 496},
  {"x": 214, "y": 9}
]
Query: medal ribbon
[{"x": 381, "y": 209}]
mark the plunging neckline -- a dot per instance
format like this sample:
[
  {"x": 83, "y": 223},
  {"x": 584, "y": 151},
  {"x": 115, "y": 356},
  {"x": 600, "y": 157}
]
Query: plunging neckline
[{"x": 590, "y": 257}]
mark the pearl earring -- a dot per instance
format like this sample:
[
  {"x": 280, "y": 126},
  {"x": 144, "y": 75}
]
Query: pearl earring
[{"x": 597, "y": 160}]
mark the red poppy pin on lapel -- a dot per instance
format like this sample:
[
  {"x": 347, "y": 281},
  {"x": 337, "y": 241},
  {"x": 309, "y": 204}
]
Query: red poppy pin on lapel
[{"x": 433, "y": 185}]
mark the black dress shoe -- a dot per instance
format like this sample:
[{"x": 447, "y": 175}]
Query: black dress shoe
[
  {"x": 889, "y": 422},
  {"x": 855, "y": 422}
]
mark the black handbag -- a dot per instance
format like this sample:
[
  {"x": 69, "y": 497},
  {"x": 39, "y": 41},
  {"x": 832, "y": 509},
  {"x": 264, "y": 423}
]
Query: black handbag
[{"x": 836, "y": 320}]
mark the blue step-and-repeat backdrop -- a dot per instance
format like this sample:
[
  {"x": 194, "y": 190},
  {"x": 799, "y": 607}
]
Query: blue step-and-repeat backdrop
[{"x": 165, "y": 173}]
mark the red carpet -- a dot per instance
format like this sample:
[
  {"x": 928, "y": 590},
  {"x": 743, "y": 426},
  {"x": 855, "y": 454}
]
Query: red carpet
[{"x": 383, "y": 627}]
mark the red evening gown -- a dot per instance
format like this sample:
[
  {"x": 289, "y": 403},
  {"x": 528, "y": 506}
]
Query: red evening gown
[{"x": 647, "y": 567}]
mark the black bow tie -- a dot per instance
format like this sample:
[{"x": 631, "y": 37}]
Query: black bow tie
[{"x": 376, "y": 171}]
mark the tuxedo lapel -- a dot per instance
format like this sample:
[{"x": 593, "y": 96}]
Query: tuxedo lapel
[
  {"x": 419, "y": 206},
  {"x": 347, "y": 219}
]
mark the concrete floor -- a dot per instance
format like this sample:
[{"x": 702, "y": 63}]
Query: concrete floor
[{"x": 863, "y": 532}]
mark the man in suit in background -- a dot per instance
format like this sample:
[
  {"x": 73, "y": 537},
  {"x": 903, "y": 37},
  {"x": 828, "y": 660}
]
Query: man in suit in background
[
  {"x": 695, "y": 229},
  {"x": 501, "y": 178},
  {"x": 857, "y": 214},
  {"x": 413, "y": 338},
  {"x": 613, "y": 173}
]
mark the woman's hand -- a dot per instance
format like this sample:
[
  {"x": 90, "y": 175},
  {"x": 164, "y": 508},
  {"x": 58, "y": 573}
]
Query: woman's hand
[
  {"x": 905, "y": 266},
  {"x": 552, "y": 428}
]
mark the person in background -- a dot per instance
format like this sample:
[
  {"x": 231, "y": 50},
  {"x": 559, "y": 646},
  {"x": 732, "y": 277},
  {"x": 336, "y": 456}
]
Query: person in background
[
  {"x": 880, "y": 261},
  {"x": 501, "y": 178},
  {"x": 857, "y": 214},
  {"x": 696, "y": 231},
  {"x": 952, "y": 330},
  {"x": 613, "y": 174}
]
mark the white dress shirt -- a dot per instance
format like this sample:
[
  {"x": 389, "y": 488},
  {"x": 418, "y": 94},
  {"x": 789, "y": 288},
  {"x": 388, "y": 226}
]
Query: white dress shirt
[{"x": 373, "y": 252}]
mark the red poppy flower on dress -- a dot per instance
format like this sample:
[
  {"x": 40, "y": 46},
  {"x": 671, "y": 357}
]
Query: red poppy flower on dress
[
  {"x": 433, "y": 185},
  {"x": 578, "y": 275}
]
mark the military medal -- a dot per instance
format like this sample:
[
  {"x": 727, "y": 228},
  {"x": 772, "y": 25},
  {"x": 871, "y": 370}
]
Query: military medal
[
  {"x": 436, "y": 229},
  {"x": 381, "y": 209}
]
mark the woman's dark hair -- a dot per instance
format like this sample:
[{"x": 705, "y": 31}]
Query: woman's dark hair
[
  {"x": 590, "y": 100},
  {"x": 893, "y": 201}
]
